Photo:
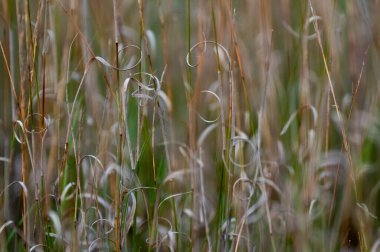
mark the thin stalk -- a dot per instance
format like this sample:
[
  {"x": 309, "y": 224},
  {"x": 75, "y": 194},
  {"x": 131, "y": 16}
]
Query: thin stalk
[
  {"x": 227, "y": 135},
  {"x": 139, "y": 103},
  {"x": 259, "y": 132},
  {"x": 43, "y": 88},
  {"x": 117, "y": 194},
  {"x": 189, "y": 102},
  {"x": 120, "y": 145},
  {"x": 10, "y": 77},
  {"x": 189, "y": 40},
  {"x": 34, "y": 45}
]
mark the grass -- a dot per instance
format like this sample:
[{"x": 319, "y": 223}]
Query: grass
[{"x": 189, "y": 125}]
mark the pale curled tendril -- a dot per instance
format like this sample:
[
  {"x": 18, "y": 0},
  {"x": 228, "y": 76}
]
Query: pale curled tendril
[
  {"x": 205, "y": 43},
  {"x": 235, "y": 142},
  {"x": 36, "y": 123},
  {"x": 300, "y": 111},
  {"x": 219, "y": 103},
  {"x": 109, "y": 65}
]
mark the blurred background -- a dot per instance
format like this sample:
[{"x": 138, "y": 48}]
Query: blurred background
[{"x": 169, "y": 125}]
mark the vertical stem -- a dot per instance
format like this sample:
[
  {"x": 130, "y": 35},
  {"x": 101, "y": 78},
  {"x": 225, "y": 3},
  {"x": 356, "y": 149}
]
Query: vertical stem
[
  {"x": 225, "y": 180},
  {"x": 119, "y": 152},
  {"x": 117, "y": 194},
  {"x": 188, "y": 41},
  {"x": 43, "y": 88},
  {"x": 139, "y": 116},
  {"x": 188, "y": 95}
]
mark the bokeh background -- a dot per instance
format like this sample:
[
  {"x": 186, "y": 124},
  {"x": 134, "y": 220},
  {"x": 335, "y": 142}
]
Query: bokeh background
[{"x": 170, "y": 125}]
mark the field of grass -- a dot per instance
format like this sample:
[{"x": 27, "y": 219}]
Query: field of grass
[{"x": 190, "y": 125}]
